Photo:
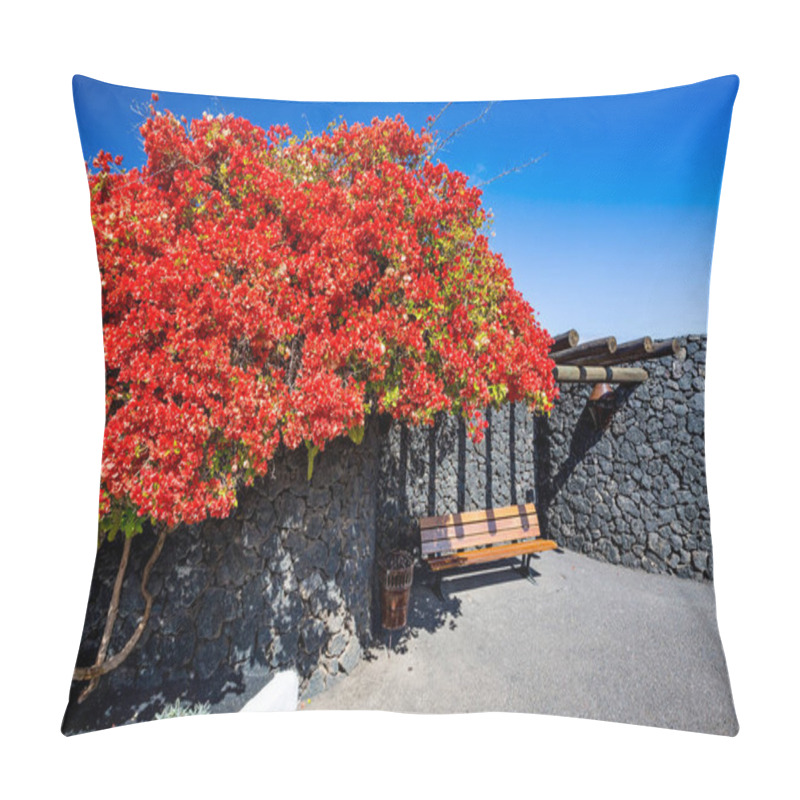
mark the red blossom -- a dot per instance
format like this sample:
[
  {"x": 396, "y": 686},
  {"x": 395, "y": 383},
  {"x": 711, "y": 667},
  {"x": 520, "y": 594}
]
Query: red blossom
[{"x": 260, "y": 289}]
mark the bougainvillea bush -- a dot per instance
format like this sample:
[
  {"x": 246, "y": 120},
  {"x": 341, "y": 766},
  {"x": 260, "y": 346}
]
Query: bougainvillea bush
[{"x": 261, "y": 289}]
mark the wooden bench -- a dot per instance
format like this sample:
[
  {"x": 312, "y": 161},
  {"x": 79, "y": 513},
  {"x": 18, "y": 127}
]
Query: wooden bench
[{"x": 477, "y": 537}]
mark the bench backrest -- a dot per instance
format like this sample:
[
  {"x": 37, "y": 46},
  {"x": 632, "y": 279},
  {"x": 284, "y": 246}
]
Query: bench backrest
[{"x": 454, "y": 532}]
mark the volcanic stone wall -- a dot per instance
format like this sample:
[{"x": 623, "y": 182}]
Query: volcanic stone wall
[
  {"x": 634, "y": 494},
  {"x": 289, "y": 580},
  {"x": 285, "y": 582},
  {"x": 440, "y": 470}
]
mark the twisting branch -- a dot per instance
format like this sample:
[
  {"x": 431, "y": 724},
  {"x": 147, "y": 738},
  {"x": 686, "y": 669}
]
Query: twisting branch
[
  {"x": 111, "y": 616},
  {"x": 103, "y": 664}
]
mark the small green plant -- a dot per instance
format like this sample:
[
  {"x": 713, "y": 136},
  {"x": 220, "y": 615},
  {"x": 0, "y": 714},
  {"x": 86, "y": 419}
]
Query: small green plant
[{"x": 178, "y": 709}]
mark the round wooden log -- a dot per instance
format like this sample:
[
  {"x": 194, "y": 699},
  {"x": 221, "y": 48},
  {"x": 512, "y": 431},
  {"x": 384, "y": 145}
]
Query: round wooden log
[
  {"x": 597, "y": 347},
  {"x": 635, "y": 350},
  {"x": 565, "y": 340},
  {"x": 665, "y": 347},
  {"x": 566, "y": 373}
]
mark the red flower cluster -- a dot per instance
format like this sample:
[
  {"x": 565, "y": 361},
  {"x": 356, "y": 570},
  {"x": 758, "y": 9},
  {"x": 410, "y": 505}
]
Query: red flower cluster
[{"x": 258, "y": 288}]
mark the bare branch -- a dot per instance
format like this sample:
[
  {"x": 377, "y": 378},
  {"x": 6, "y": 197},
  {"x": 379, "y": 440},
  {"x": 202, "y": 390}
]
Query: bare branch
[
  {"x": 511, "y": 170},
  {"x": 440, "y": 143},
  {"x": 439, "y": 114}
]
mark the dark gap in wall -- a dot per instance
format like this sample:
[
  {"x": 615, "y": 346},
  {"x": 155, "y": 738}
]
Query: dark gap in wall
[
  {"x": 432, "y": 437},
  {"x": 488, "y": 440},
  {"x": 512, "y": 450},
  {"x": 461, "y": 482},
  {"x": 541, "y": 472},
  {"x": 402, "y": 475}
]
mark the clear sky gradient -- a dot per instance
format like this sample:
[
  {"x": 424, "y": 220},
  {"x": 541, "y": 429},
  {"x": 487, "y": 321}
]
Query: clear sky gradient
[{"x": 611, "y": 232}]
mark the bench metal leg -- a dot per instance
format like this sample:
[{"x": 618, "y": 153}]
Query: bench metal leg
[{"x": 525, "y": 569}]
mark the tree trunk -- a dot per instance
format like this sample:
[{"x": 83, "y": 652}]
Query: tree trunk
[
  {"x": 103, "y": 663},
  {"x": 111, "y": 616}
]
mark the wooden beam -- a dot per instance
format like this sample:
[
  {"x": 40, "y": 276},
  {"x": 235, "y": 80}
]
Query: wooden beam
[
  {"x": 665, "y": 347},
  {"x": 564, "y": 341},
  {"x": 625, "y": 354},
  {"x": 567, "y": 373},
  {"x": 636, "y": 350},
  {"x": 597, "y": 347}
]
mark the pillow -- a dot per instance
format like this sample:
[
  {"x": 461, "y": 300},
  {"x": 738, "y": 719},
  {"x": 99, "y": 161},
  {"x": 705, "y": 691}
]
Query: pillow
[{"x": 346, "y": 464}]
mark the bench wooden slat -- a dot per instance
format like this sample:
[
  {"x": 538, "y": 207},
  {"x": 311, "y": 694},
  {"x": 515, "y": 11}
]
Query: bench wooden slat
[
  {"x": 479, "y": 537},
  {"x": 497, "y": 538},
  {"x": 477, "y": 516},
  {"x": 491, "y": 554},
  {"x": 464, "y": 531}
]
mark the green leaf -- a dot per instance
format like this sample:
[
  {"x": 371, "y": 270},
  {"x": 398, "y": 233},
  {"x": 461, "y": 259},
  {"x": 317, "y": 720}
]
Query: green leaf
[
  {"x": 312, "y": 453},
  {"x": 391, "y": 397},
  {"x": 356, "y": 434}
]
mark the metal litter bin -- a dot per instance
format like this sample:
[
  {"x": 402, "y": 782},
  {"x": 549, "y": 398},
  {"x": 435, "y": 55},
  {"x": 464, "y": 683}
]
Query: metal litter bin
[{"x": 397, "y": 575}]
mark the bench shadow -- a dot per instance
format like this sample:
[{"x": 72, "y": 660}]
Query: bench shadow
[
  {"x": 427, "y": 612},
  {"x": 414, "y": 469},
  {"x": 467, "y": 579}
]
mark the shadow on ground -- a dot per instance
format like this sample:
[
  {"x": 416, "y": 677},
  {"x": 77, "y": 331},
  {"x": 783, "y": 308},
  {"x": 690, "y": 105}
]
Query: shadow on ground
[{"x": 428, "y": 612}]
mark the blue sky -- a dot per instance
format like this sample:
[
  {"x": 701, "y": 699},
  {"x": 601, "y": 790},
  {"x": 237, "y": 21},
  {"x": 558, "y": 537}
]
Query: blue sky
[{"x": 611, "y": 232}]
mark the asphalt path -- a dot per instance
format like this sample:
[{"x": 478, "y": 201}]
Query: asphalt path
[{"x": 580, "y": 638}]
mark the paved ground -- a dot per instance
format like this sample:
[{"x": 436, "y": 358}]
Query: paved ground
[{"x": 583, "y": 639}]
